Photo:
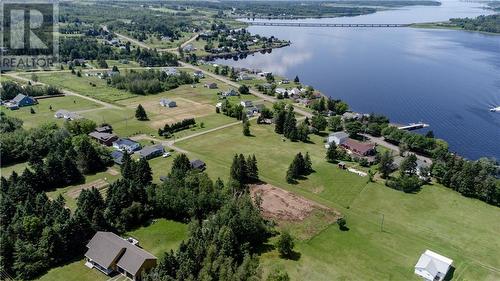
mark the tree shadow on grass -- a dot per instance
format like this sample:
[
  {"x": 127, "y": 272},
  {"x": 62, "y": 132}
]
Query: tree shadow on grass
[{"x": 294, "y": 256}]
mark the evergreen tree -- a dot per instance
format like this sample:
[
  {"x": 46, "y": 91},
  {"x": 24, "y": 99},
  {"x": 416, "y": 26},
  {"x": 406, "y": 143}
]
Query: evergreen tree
[
  {"x": 307, "y": 164},
  {"x": 290, "y": 125},
  {"x": 285, "y": 244},
  {"x": 180, "y": 167},
  {"x": 303, "y": 132},
  {"x": 409, "y": 165},
  {"x": 88, "y": 159},
  {"x": 386, "y": 164},
  {"x": 331, "y": 153},
  {"x": 140, "y": 113},
  {"x": 253, "y": 170},
  {"x": 246, "y": 128},
  {"x": 127, "y": 167},
  {"x": 296, "y": 80},
  {"x": 143, "y": 172},
  {"x": 319, "y": 122},
  {"x": 70, "y": 172},
  {"x": 279, "y": 121}
]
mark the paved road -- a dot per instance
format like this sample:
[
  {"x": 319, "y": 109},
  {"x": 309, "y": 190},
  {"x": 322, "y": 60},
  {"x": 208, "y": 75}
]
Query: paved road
[
  {"x": 127, "y": 38},
  {"x": 174, "y": 50}
]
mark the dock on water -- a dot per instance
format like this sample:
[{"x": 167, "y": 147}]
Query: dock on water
[{"x": 412, "y": 126}]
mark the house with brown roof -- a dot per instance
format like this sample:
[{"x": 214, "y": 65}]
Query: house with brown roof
[
  {"x": 110, "y": 253},
  {"x": 359, "y": 148}
]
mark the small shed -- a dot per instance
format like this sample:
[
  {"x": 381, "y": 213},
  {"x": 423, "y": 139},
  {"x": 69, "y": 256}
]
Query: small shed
[
  {"x": 198, "y": 164},
  {"x": 432, "y": 266}
]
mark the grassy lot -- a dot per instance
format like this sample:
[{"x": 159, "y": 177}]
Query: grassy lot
[
  {"x": 436, "y": 218},
  {"x": 82, "y": 85},
  {"x": 161, "y": 236},
  {"x": 43, "y": 113},
  {"x": 18, "y": 168},
  {"x": 73, "y": 271},
  {"x": 120, "y": 65}
]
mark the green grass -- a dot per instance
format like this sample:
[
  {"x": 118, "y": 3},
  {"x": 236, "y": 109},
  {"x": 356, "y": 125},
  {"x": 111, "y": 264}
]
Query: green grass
[
  {"x": 161, "y": 236},
  {"x": 18, "y": 168},
  {"x": 43, "y": 113},
  {"x": 436, "y": 218},
  {"x": 82, "y": 85},
  {"x": 73, "y": 271}
]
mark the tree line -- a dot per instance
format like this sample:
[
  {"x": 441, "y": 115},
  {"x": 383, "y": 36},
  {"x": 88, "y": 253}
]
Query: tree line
[
  {"x": 149, "y": 81},
  {"x": 11, "y": 89},
  {"x": 169, "y": 129}
]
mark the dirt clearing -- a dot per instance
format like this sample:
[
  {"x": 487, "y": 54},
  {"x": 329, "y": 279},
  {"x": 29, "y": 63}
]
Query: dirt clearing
[{"x": 283, "y": 206}]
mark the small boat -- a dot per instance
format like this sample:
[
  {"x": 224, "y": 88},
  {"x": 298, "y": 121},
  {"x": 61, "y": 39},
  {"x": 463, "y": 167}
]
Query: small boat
[{"x": 495, "y": 109}]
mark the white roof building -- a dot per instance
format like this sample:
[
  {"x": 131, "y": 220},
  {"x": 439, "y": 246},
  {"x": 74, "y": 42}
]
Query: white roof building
[
  {"x": 338, "y": 138},
  {"x": 432, "y": 266}
]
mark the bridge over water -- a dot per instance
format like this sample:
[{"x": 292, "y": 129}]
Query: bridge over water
[{"x": 307, "y": 24}]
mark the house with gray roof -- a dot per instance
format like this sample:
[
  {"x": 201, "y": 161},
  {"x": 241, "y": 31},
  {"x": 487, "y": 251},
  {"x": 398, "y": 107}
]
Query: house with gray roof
[
  {"x": 103, "y": 138},
  {"x": 126, "y": 145},
  {"x": 198, "y": 164},
  {"x": 167, "y": 103},
  {"x": 109, "y": 253},
  {"x": 338, "y": 138},
  {"x": 117, "y": 156},
  {"x": 23, "y": 100},
  {"x": 152, "y": 151}
]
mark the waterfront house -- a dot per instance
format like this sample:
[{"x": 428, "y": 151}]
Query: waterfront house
[
  {"x": 359, "y": 148},
  {"x": 432, "y": 266},
  {"x": 338, "y": 138},
  {"x": 198, "y": 165},
  {"x": 126, "y": 145},
  {"x": 103, "y": 138},
  {"x": 152, "y": 151},
  {"x": 167, "y": 103},
  {"x": 110, "y": 253}
]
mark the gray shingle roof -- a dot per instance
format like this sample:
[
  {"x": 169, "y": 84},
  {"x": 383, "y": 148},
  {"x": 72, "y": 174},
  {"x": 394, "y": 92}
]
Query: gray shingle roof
[
  {"x": 107, "y": 247},
  {"x": 148, "y": 150}
]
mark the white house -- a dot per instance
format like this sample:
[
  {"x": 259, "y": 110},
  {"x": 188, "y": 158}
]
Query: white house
[
  {"x": 167, "y": 103},
  {"x": 170, "y": 71},
  {"x": 338, "y": 138},
  {"x": 432, "y": 266},
  {"x": 280, "y": 91}
]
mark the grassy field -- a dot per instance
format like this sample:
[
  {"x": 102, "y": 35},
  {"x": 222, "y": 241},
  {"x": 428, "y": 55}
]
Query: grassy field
[
  {"x": 43, "y": 113},
  {"x": 161, "y": 236},
  {"x": 82, "y": 85},
  {"x": 436, "y": 218},
  {"x": 73, "y": 271}
]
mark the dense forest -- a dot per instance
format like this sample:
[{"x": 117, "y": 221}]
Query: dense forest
[{"x": 489, "y": 23}]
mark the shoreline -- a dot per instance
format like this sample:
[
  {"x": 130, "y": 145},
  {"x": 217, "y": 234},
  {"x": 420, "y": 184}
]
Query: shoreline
[{"x": 447, "y": 26}]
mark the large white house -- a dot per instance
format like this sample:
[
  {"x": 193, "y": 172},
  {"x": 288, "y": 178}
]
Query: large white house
[
  {"x": 432, "y": 266},
  {"x": 338, "y": 138}
]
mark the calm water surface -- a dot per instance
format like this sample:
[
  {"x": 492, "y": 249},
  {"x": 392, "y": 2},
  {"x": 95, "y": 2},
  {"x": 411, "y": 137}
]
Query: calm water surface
[{"x": 446, "y": 78}]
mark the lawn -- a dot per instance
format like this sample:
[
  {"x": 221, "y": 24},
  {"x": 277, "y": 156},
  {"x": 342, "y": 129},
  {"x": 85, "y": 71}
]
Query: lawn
[
  {"x": 73, "y": 271},
  {"x": 436, "y": 218},
  {"x": 161, "y": 236},
  {"x": 82, "y": 85},
  {"x": 43, "y": 113}
]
